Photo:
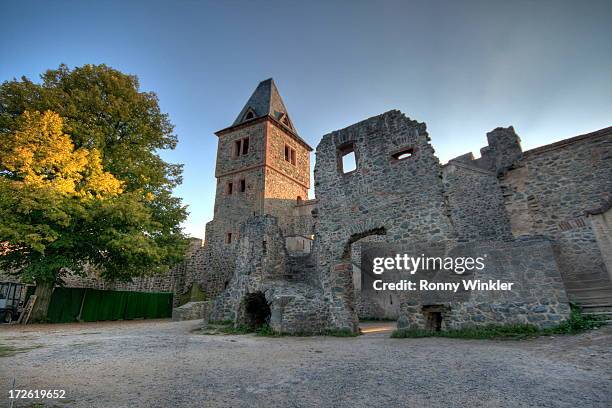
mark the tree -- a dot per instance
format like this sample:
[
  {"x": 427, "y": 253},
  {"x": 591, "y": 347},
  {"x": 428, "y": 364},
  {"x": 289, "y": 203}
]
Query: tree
[{"x": 82, "y": 185}]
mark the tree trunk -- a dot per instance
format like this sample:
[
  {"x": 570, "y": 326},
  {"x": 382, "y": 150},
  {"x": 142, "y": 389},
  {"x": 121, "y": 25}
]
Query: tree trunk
[{"x": 43, "y": 298}]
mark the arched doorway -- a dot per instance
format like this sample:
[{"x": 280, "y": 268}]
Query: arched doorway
[
  {"x": 254, "y": 311},
  {"x": 369, "y": 303}
]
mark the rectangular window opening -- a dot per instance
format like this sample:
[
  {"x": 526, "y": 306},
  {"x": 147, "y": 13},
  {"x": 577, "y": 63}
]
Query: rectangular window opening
[
  {"x": 228, "y": 238},
  {"x": 348, "y": 159},
  {"x": 242, "y": 185},
  {"x": 290, "y": 155},
  {"x": 230, "y": 188},
  {"x": 237, "y": 147},
  {"x": 241, "y": 147}
]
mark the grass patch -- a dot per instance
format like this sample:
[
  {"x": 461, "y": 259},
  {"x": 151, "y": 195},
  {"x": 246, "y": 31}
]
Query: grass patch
[
  {"x": 236, "y": 330},
  {"x": 267, "y": 331},
  {"x": 577, "y": 323},
  {"x": 340, "y": 333},
  {"x": 514, "y": 332},
  {"x": 8, "y": 351}
]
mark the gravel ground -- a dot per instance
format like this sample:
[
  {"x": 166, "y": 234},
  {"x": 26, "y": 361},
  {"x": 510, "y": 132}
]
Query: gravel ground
[{"x": 164, "y": 364}]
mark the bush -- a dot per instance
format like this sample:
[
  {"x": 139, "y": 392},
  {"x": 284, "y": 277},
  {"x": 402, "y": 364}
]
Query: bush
[{"x": 577, "y": 323}]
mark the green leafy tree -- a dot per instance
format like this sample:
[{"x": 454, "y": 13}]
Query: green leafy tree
[{"x": 82, "y": 185}]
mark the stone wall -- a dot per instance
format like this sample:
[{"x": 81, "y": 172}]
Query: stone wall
[
  {"x": 475, "y": 202},
  {"x": 400, "y": 199},
  {"x": 262, "y": 269},
  {"x": 548, "y": 192},
  {"x": 537, "y": 296}
]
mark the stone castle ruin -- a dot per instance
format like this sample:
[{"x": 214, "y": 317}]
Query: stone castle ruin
[
  {"x": 273, "y": 256},
  {"x": 542, "y": 217}
]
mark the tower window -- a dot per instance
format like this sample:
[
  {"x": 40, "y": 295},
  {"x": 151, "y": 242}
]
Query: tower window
[
  {"x": 229, "y": 189},
  {"x": 241, "y": 147},
  {"x": 290, "y": 155},
  {"x": 228, "y": 238},
  {"x": 347, "y": 160},
  {"x": 249, "y": 115},
  {"x": 242, "y": 185}
]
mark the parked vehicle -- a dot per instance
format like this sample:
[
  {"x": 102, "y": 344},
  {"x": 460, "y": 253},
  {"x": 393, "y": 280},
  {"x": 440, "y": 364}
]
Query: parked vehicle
[{"x": 11, "y": 301}]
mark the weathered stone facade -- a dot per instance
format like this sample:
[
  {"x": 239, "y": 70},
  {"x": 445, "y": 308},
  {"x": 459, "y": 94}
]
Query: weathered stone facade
[{"x": 526, "y": 210}]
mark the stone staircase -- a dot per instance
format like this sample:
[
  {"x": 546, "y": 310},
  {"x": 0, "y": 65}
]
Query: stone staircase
[
  {"x": 298, "y": 267},
  {"x": 593, "y": 293}
]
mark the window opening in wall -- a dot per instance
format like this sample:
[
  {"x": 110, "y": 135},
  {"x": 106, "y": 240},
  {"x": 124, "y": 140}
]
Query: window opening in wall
[
  {"x": 299, "y": 199},
  {"x": 249, "y": 115},
  {"x": 290, "y": 155},
  {"x": 348, "y": 159},
  {"x": 403, "y": 154},
  {"x": 241, "y": 147},
  {"x": 237, "y": 145},
  {"x": 230, "y": 188},
  {"x": 264, "y": 248},
  {"x": 228, "y": 238},
  {"x": 242, "y": 185}
]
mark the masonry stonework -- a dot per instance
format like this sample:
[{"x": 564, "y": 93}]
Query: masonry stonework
[{"x": 514, "y": 206}]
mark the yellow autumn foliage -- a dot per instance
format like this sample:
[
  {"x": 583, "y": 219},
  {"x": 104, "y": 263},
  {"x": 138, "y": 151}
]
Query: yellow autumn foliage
[{"x": 39, "y": 154}]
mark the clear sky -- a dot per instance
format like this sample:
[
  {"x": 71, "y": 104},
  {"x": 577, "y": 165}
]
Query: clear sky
[{"x": 463, "y": 67}]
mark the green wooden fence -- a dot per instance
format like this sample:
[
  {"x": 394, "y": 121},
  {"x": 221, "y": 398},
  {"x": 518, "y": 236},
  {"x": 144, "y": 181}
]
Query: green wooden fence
[{"x": 90, "y": 305}]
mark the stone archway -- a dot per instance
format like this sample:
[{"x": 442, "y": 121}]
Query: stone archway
[
  {"x": 368, "y": 303},
  {"x": 254, "y": 311}
]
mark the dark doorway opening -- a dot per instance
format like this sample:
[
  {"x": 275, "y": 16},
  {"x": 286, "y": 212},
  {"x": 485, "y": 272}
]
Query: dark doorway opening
[
  {"x": 433, "y": 317},
  {"x": 256, "y": 310}
]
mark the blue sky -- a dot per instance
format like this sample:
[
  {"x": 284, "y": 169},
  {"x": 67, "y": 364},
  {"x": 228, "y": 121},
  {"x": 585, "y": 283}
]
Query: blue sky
[{"x": 463, "y": 67}]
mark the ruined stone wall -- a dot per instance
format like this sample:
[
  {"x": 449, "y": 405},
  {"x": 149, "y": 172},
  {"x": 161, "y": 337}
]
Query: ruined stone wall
[
  {"x": 303, "y": 219},
  {"x": 548, "y": 191},
  {"x": 401, "y": 199},
  {"x": 475, "y": 203},
  {"x": 537, "y": 296},
  {"x": 502, "y": 151},
  {"x": 261, "y": 269}
]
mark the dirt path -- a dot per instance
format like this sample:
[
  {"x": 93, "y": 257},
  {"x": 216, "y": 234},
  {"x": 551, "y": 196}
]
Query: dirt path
[{"x": 163, "y": 364}]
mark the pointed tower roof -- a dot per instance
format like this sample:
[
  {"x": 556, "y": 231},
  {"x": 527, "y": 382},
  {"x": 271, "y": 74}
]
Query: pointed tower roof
[{"x": 266, "y": 102}]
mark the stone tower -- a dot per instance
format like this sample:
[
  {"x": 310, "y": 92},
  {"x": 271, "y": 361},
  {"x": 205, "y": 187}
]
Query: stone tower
[{"x": 263, "y": 167}]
